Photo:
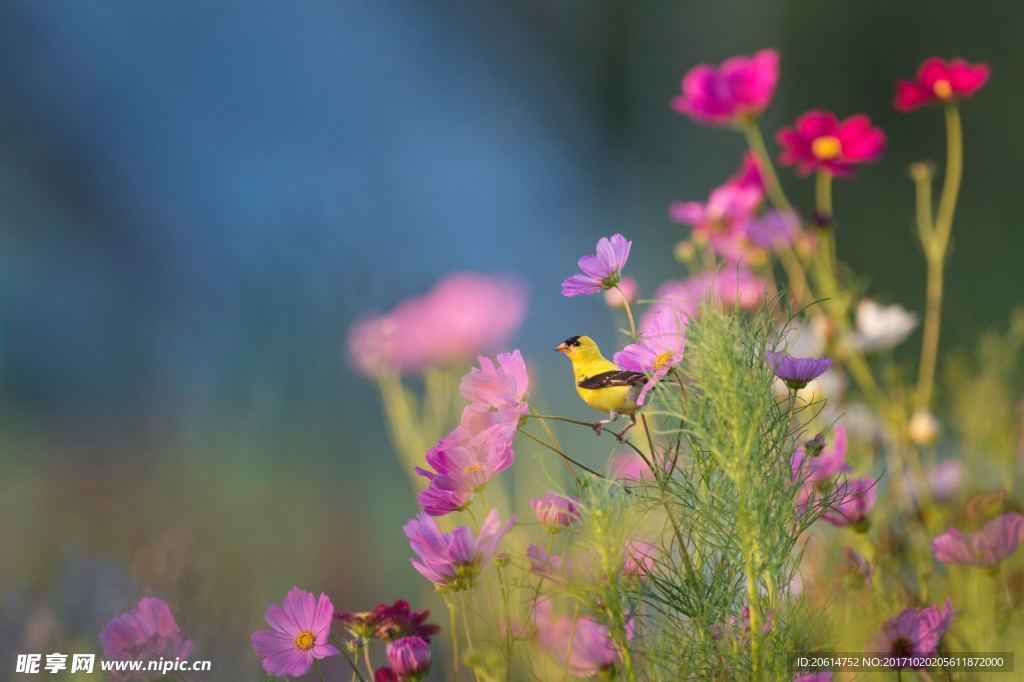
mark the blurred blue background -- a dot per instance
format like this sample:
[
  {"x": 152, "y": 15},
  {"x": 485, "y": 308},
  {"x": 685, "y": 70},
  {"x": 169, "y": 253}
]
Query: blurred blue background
[{"x": 199, "y": 198}]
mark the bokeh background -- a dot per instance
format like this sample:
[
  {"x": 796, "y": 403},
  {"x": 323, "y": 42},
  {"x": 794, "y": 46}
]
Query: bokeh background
[{"x": 198, "y": 199}]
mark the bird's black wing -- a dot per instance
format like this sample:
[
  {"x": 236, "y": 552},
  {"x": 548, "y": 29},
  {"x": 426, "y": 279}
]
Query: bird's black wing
[{"x": 616, "y": 377}]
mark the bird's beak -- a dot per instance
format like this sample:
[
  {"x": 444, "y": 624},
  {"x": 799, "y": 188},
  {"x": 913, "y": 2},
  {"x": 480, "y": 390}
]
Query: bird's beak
[{"x": 562, "y": 348}]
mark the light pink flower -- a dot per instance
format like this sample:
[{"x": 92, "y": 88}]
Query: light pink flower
[
  {"x": 466, "y": 469},
  {"x": 773, "y": 230},
  {"x": 301, "y": 627},
  {"x": 659, "y": 348},
  {"x": 454, "y": 560},
  {"x": 580, "y": 567},
  {"x": 629, "y": 467},
  {"x": 625, "y": 293},
  {"x": 722, "y": 221},
  {"x": 819, "y": 141},
  {"x": 741, "y": 87},
  {"x": 498, "y": 385},
  {"x": 600, "y": 271},
  {"x": 728, "y": 287},
  {"x": 998, "y": 540},
  {"x": 856, "y": 500},
  {"x": 593, "y": 651},
  {"x": 829, "y": 461},
  {"x": 556, "y": 512},
  {"x": 639, "y": 558},
  {"x": 463, "y": 315},
  {"x": 939, "y": 81},
  {"x": 146, "y": 633}
]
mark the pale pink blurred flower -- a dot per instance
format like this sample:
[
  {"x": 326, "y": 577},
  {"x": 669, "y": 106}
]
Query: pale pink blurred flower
[
  {"x": 639, "y": 558},
  {"x": 454, "y": 560},
  {"x": 463, "y": 315},
  {"x": 998, "y": 540},
  {"x": 301, "y": 628},
  {"x": 625, "y": 293},
  {"x": 497, "y": 386},
  {"x": 826, "y": 463},
  {"x": 601, "y": 271},
  {"x": 556, "y": 512},
  {"x": 855, "y": 502},
  {"x": 659, "y": 348},
  {"x": 580, "y": 567},
  {"x": 721, "y": 222},
  {"x": 773, "y": 230},
  {"x": 629, "y": 466},
  {"x": 146, "y": 633},
  {"x": 731, "y": 286},
  {"x": 914, "y": 632},
  {"x": 592, "y": 649},
  {"x": 739, "y": 88}
]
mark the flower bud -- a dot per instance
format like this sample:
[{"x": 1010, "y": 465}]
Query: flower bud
[
  {"x": 502, "y": 559},
  {"x": 685, "y": 252},
  {"x": 409, "y": 657},
  {"x": 555, "y": 511}
]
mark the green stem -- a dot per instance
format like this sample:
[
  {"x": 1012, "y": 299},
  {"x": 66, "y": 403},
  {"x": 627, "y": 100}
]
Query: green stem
[
  {"x": 455, "y": 638},
  {"x": 348, "y": 659},
  {"x": 629, "y": 314},
  {"x": 366, "y": 659},
  {"x": 755, "y": 141},
  {"x": 319, "y": 672},
  {"x": 559, "y": 452}
]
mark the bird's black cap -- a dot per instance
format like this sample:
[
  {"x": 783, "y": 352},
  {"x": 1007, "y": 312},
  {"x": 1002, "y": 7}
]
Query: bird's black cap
[{"x": 572, "y": 341}]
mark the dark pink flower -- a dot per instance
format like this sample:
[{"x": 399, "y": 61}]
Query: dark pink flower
[
  {"x": 592, "y": 650},
  {"x": 639, "y": 558},
  {"x": 939, "y": 81},
  {"x": 659, "y": 348},
  {"x": 856, "y": 500},
  {"x": 741, "y": 87},
  {"x": 797, "y": 372},
  {"x": 409, "y": 658},
  {"x": 600, "y": 271},
  {"x": 819, "y": 141},
  {"x": 998, "y": 540},
  {"x": 556, "y": 512},
  {"x": 385, "y": 674},
  {"x": 463, "y": 315},
  {"x": 749, "y": 174},
  {"x": 454, "y": 560},
  {"x": 914, "y": 632},
  {"x": 301, "y": 627},
  {"x": 388, "y": 622},
  {"x": 147, "y": 632}
]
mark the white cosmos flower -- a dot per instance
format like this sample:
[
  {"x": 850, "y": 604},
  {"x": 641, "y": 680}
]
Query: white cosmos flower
[{"x": 880, "y": 327}]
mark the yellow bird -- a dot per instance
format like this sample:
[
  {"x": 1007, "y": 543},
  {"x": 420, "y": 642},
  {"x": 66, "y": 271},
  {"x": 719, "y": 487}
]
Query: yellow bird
[{"x": 601, "y": 384}]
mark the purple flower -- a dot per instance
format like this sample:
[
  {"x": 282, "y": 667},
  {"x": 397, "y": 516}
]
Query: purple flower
[
  {"x": 998, "y": 540},
  {"x": 453, "y": 560},
  {"x": 464, "y": 469},
  {"x": 639, "y": 558},
  {"x": 914, "y": 632},
  {"x": 856, "y": 500},
  {"x": 556, "y": 511},
  {"x": 741, "y": 87},
  {"x": 659, "y": 348},
  {"x": 409, "y": 657},
  {"x": 588, "y": 645},
  {"x": 301, "y": 627},
  {"x": 797, "y": 372},
  {"x": 774, "y": 230},
  {"x": 601, "y": 271},
  {"x": 147, "y": 632}
]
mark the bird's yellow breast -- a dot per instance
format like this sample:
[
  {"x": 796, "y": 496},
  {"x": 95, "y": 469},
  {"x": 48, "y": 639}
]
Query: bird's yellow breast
[{"x": 610, "y": 399}]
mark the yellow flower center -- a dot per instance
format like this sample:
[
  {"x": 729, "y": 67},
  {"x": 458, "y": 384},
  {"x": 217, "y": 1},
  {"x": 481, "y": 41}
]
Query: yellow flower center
[
  {"x": 826, "y": 147},
  {"x": 473, "y": 469},
  {"x": 305, "y": 640},
  {"x": 662, "y": 360},
  {"x": 942, "y": 89}
]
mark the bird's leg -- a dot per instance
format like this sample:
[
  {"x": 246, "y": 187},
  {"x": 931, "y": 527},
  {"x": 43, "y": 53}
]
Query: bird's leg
[
  {"x": 599, "y": 424},
  {"x": 621, "y": 437}
]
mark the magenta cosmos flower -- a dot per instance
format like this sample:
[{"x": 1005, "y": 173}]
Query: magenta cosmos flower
[
  {"x": 147, "y": 632},
  {"x": 556, "y": 512},
  {"x": 796, "y": 372},
  {"x": 939, "y": 81},
  {"x": 388, "y": 622},
  {"x": 856, "y": 499},
  {"x": 588, "y": 645},
  {"x": 740, "y": 88},
  {"x": 914, "y": 632},
  {"x": 819, "y": 141},
  {"x": 463, "y": 315},
  {"x": 452, "y": 561},
  {"x": 600, "y": 271},
  {"x": 659, "y": 348},
  {"x": 998, "y": 540},
  {"x": 409, "y": 658},
  {"x": 301, "y": 626}
]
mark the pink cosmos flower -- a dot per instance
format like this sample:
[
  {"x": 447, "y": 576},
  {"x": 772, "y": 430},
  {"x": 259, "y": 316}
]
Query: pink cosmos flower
[
  {"x": 409, "y": 658},
  {"x": 463, "y": 315},
  {"x": 556, "y": 512},
  {"x": 453, "y": 560},
  {"x": 728, "y": 287},
  {"x": 741, "y": 87},
  {"x": 939, "y": 81},
  {"x": 829, "y": 460},
  {"x": 147, "y": 632},
  {"x": 640, "y": 557},
  {"x": 630, "y": 467},
  {"x": 721, "y": 222},
  {"x": 856, "y": 500},
  {"x": 796, "y": 372},
  {"x": 998, "y": 540},
  {"x": 465, "y": 469},
  {"x": 659, "y": 348},
  {"x": 626, "y": 293},
  {"x": 301, "y": 627},
  {"x": 577, "y": 568},
  {"x": 773, "y": 230},
  {"x": 914, "y": 632},
  {"x": 749, "y": 174},
  {"x": 497, "y": 386},
  {"x": 592, "y": 649},
  {"x": 819, "y": 141},
  {"x": 601, "y": 271}
]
